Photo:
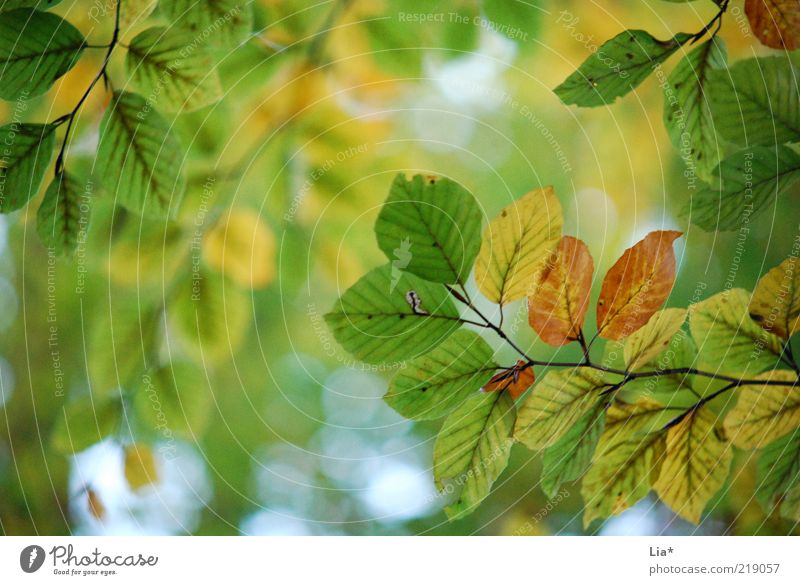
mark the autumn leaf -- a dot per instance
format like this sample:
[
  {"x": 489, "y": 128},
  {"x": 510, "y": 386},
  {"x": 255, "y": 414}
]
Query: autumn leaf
[
  {"x": 646, "y": 343},
  {"x": 764, "y": 413},
  {"x": 516, "y": 245},
  {"x": 140, "y": 466},
  {"x": 557, "y": 403},
  {"x": 637, "y": 285},
  {"x": 627, "y": 460},
  {"x": 558, "y": 307},
  {"x": 516, "y": 380},
  {"x": 242, "y": 247},
  {"x": 95, "y": 505},
  {"x": 696, "y": 464},
  {"x": 776, "y": 300},
  {"x": 776, "y": 23}
]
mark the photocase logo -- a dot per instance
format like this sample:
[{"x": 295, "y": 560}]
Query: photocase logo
[
  {"x": 402, "y": 258},
  {"x": 31, "y": 558}
]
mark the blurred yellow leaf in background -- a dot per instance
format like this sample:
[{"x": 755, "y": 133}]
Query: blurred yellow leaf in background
[{"x": 242, "y": 247}]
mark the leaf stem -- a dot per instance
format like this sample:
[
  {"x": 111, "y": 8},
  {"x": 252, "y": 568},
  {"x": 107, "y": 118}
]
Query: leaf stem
[
  {"x": 700, "y": 403},
  {"x": 716, "y": 21},
  {"x": 788, "y": 357},
  {"x": 100, "y": 75},
  {"x": 627, "y": 375},
  {"x": 488, "y": 323}
]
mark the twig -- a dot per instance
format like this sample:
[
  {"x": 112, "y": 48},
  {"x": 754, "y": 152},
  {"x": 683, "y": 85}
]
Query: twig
[
  {"x": 100, "y": 75},
  {"x": 717, "y": 20}
]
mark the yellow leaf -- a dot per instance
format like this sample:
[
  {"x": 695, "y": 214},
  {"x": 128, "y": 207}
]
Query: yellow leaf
[
  {"x": 627, "y": 460},
  {"x": 696, "y": 464},
  {"x": 646, "y": 343},
  {"x": 134, "y": 12},
  {"x": 555, "y": 405},
  {"x": 140, "y": 466},
  {"x": 517, "y": 244},
  {"x": 776, "y": 301},
  {"x": 242, "y": 248},
  {"x": 626, "y": 419},
  {"x": 764, "y": 413}
]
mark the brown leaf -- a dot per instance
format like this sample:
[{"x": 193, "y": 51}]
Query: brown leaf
[
  {"x": 637, "y": 285},
  {"x": 557, "y": 308},
  {"x": 96, "y": 507},
  {"x": 516, "y": 380},
  {"x": 776, "y": 23}
]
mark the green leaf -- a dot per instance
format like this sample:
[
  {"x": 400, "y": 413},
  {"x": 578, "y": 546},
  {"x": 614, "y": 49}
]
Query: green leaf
[
  {"x": 124, "y": 345},
  {"x": 556, "y": 404},
  {"x": 518, "y": 21},
  {"x": 430, "y": 227},
  {"x": 433, "y": 385},
  {"x": 728, "y": 340},
  {"x": 750, "y": 180},
  {"x": 173, "y": 400},
  {"x": 472, "y": 449},
  {"x": 164, "y": 63},
  {"x": 36, "y": 48},
  {"x": 778, "y": 470},
  {"x": 790, "y": 507},
  {"x": 617, "y": 67},
  {"x": 210, "y": 316},
  {"x": 757, "y": 101},
  {"x": 27, "y": 150},
  {"x": 627, "y": 460},
  {"x": 687, "y": 108},
  {"x": 402, "y": 37},
  {"x": 568, "y": 459},
  {"x": 138, "y": 159},
  {"x": 226, "y": 23},
  {"x": 63, "y": 217},
  {"x": 390, "y": 315},
  {"x": 40, "y": 4},
  {"x": 84, "y": 422},
  {"x": 696, "y": 464}
]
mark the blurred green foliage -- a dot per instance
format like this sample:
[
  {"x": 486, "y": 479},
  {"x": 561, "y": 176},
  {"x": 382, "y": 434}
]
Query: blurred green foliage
[{"x": 217, "y": 311}]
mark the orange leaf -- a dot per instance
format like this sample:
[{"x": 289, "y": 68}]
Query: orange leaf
[
  {"x": 557, "y": 308},
  {"x": 516, "y": 380},
  {"x": 776, "y": 23},
  {"x": 637, "y": 285},
  {"x": 96, "y": 507}
]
